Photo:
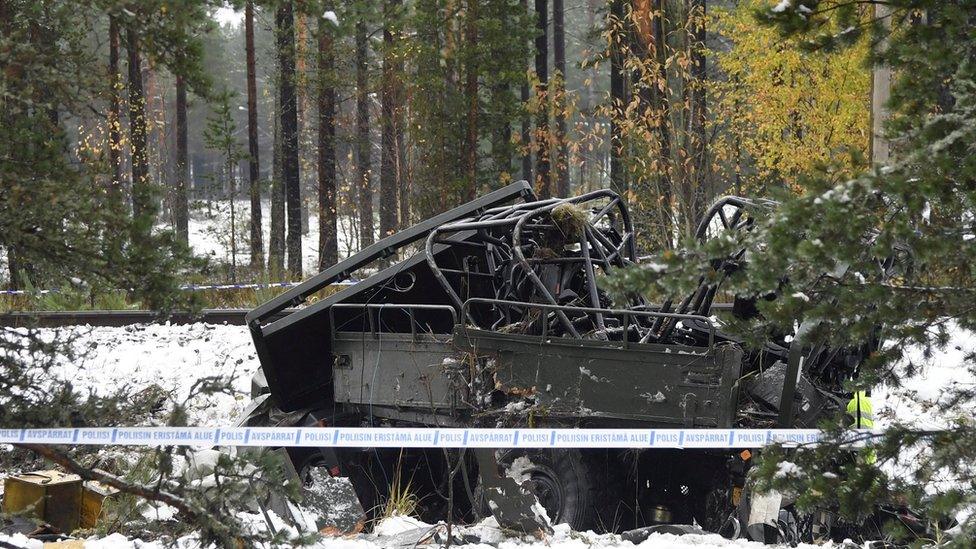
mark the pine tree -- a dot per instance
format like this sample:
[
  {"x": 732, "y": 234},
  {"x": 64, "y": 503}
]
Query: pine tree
[
  {"x": 471, "y": 61},
  {"x": 141, "y": 185},
  {"x": 526, "y": 135},
  {"x": 389, "y": 176},
  {"x": 364, "y": 176},
  {"x": 543, "y": 184},
  {"x": 618, "y": 99},
  {"x": 559, "y": 64},
  {"x": 115, "y": 112},
  {"x": 889, "y": 246},
  {"x": 254, "y": 164},
  {"x": 328, "y": 191},
  {"x": 220, "y": 136},
  {"x": 181, "y": 208},
  {"x": 288, "y": 101}
]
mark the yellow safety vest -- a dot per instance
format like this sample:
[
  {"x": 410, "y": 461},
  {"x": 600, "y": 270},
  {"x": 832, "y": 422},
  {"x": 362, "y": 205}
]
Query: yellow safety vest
[{"x": 862, "y": 411}]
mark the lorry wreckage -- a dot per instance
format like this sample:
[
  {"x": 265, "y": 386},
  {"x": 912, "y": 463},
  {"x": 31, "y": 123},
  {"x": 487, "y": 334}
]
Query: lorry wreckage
[{"x": 495, "y": 317}]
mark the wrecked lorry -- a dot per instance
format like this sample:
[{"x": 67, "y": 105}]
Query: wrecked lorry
[{"x": 494, "y": 316}]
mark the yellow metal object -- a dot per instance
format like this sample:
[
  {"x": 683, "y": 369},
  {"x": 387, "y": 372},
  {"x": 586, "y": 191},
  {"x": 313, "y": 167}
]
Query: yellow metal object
[
  {"x": 93, "y": 499},
  {"x": 53, "y": 496}
]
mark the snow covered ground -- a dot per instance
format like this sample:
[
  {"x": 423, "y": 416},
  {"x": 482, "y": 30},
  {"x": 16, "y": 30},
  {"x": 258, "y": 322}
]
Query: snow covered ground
[
  {"x": 210, "y": 235},
  {"x": 173, "y": 357},
  {"x": 403, "y": 532},
  {"x": 916, "y": 403}
]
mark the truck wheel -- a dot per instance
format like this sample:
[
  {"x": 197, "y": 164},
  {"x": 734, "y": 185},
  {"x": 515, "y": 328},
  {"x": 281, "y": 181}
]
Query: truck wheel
[{"x": 560, "y": 480}]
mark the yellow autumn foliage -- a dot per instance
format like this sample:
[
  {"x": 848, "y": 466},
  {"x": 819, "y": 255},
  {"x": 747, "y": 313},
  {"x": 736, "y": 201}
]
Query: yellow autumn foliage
[{"x": 780, "y": 111}]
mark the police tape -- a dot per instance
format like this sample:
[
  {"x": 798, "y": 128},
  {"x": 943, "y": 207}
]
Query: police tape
[{"x": 420, "y": 437}]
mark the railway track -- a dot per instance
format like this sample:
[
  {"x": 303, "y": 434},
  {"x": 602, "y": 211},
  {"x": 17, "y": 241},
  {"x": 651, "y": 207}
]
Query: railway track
[{"x": 52, "y": 319}]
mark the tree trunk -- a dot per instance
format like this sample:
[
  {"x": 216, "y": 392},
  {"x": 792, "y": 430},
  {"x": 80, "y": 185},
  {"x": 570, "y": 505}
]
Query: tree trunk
[
  {"x": 276, "y": 244},
  {"x": 254, "y": 165},
  {"x": 662, "y": 105},
  {"x": 155, "y": 143},
  {"x": 471, "y": 94},
  {"x": 542, "y": 184},
  {"x": 559, "y": 60},
  {"x": 388, "y": 152},
  {"x": 304, "y": 112},
  {"x": 403, "y": 172},
  {"x": 526, "y": 122},
  {"x": 141, "y": 193},
  {"x": 618, "y": 98},
  {"x": 232, "y": 187},
  {"x": 285, "y": 25},
  {"x": 526, "y": 135},
  {"x": 363, "y": 176},
  {"x": 115, "y": 113},
  {"x": 699, "y": 148},
  {"x": 585, "y": 179},
  {"x": 181, "y": 209},
  {"x": 402, "y": 166},
  {"x": 328, "y": 231}
]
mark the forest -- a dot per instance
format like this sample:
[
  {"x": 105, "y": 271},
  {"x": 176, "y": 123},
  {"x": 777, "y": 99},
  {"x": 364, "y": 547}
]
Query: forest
[{"x": 309, "y": 111}]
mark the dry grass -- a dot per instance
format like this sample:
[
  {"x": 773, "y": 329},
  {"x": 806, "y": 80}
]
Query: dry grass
[
  {"x": 402, "y": 500},
  {"x": 570, "y": 219}
]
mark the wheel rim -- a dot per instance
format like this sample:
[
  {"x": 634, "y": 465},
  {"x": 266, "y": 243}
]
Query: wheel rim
[{"x": 544, "y": 484}]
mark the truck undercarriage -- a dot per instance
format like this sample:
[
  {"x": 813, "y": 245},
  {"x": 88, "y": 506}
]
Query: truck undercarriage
[{"x": 495, "y": 317}]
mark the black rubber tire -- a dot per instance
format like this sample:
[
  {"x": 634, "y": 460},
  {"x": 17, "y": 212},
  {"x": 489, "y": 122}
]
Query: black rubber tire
[{"x": 563, "y": 482}]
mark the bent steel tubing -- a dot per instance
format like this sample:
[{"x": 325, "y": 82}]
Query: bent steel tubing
[
  {"x": 591, "y": 310},
  {"x": 438, "y": 275},
  {"x": 530, "y": 272},
  {"x": 591, "y": 280},
  {"x": 520, "y": 256},
  {"x": 719, "y": 205}
]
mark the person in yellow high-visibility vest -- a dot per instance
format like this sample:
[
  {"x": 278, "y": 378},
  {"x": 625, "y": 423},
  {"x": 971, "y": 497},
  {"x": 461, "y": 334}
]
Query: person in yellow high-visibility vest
[{"x": 862, "y": 412}]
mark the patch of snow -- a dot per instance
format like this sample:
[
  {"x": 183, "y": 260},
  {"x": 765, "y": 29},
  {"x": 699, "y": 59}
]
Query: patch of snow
[
  {"x": 331, "y": 17},
  {"x": 515, "y": 406},
  {"x": 20, "y": 540},
  {"x": 586, "y": 372},
  {"x": 518, "y": 470},
  {"x": 162, "y": 358},
  {"x": 945, "y": 371},
  {"x": 398, "y": 524},
  {"x": 209, "y": 236},
  {"x": 782, "y": 6},
  {"x": 655, "y": 266},
  {"x": 657, "y": 397},
  {"x": 158, "y": 511},
  {"x": 787, "y": 469}
]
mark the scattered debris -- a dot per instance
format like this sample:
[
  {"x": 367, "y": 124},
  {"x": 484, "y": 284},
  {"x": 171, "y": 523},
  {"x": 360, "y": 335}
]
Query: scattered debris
[{"x": 52, "y": 496}]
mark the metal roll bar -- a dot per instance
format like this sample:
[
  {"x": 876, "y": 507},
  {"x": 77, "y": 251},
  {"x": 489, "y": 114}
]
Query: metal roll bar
[{"x": 625, "y": 313}]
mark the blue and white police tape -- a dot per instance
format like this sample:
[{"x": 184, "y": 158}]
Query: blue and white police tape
[{"x": 420, "y": 437}]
